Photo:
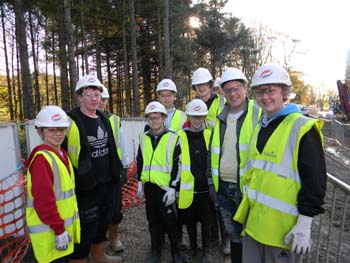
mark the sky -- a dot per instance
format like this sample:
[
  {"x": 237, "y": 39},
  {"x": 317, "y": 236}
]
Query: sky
[{"x": 323, "y": 28}]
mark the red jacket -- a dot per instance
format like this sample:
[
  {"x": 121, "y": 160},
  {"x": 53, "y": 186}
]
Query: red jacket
[{"x": 42, "y": 187}]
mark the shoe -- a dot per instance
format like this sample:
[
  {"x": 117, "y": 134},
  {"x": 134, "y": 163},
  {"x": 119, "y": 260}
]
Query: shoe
[
  {"x": 226, "y": 248},
  {"x": 113, "y": 235},
  {"x": 98, "y": 254}
]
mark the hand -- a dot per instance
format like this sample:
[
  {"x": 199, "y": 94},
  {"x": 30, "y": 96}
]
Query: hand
[
  {"x": 124, "y": 176},
  {"x": 62, "y": 241},
  {"x": 169, "y": 196},
  {"x": 300, "y": 234},
  {"x": 212, "y": 194},
  {"x": 139, "y": 189}
]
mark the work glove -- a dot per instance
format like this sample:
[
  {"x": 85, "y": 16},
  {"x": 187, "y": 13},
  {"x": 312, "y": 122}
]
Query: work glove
[
  {"x": 124, "y": 176},
  {"x": 169, "y": 196},
  {"x": 139, "y": 189},
  {"x": 62, "y": 241},
  {"x": 212, "y": 194},
  {"x": 300, "y": 235}
]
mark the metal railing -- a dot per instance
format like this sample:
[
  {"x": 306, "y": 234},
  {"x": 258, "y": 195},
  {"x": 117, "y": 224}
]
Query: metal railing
[
  {"x": 331, "y": 230},
  {"x": 338, "y": 131}
]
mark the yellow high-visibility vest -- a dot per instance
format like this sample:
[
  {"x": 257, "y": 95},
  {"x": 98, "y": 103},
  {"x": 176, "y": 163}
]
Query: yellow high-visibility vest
[
  {"x": 178, "y": 120},
  {"x": 269, "y": 205},
  {"x": 158, "y": 163},
  {"x": 115, "y": 124},
  {"x": 187, "y": 178},
  {"x": 41, "y": 235},
  {"x": 215, "y": 108}
]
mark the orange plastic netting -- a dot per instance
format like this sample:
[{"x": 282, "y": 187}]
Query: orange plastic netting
[
  {"x": 14, "y": 238},
  {"x": 130, "y": 197}
]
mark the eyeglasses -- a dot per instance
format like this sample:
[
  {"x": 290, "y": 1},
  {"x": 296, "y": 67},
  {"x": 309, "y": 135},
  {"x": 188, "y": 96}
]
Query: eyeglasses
[
  {"x": 56, "y": 130},
  {"x": 234, "y": 89},
  {"x": 154, "y": 118},
  {"x": 260, "y": 92},
  {"x": 165, "y": 96},
  {"x": 92, "y": 95}
]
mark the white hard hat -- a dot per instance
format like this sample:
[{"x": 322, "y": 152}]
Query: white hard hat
[
  {"x": 200, "y": 76},
  {"x": 51, "y": 116},
  {"x": 155, "y": 106},
  {"x": 217, "y": 83},
  {"x": 232, "y": 74},
  {"x": 88, "y": 81},
  {"x": 104, "y": 94},
  {"x": 271, "y": 74},
  {"x": 196, "y": 107},
  {"x": 166, "y": 84}
]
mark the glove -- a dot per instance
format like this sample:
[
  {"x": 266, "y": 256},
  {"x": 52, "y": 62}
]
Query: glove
[
  {"x": 124, "y": 176},
  {"x": 62, "y": 241},
  {"x": 300, "y": 234},
  {"x": 169, "y": 196},
  {"x": 212, "y": 194},
  {"x": 139, "y": 189}
]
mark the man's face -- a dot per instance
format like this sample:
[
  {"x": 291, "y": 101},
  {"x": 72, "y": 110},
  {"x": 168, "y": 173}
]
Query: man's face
[
  {"x": 203, "y": 91},
  {"x": 235, "y": 93},
  {"x": 156, "y": 122},
  {"x": 90, "y": 98},
  {"x": 167, "y": 98},
  {"x": 196, "y": 122}
]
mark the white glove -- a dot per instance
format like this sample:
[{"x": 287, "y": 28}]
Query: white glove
[
  {"x": 169, "y": 196},
  {"x": 300, "y": 233},
  {"x": 139, "y": 189},
  {"x": 62, "y": 241}
]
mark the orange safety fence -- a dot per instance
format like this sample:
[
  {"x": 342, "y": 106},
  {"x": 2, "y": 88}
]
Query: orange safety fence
[
  {"x": 129, "y": 190},
  {"x": 14, "y": 237}
]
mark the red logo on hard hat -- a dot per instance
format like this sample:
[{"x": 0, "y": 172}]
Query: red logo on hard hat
[
  {"x": 92, "y": 79},
  {"x": 56, "y": 117},
  {"x": 197, "y": 108},
  {"x": 166, "y": 84},
  {"x": 152, "y": 107},
  {"x": 266, "y": 73}
]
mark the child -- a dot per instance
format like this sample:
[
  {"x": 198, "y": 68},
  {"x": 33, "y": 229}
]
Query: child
[
  {"x": 158, "y": 169},
  {"x": 52, "y": 211}
]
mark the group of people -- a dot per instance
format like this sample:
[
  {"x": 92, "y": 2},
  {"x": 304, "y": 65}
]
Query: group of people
[{"x": 244, "y": 166}]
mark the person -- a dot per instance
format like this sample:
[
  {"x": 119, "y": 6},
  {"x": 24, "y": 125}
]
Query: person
[
  {"x": 93, "y": 153},
  {"x": 202, "y": 83},
  {"x": 51, "y": 210},
  {"x": 193, "y": 202},
  {"x": 283, "y": 190},
  {"x": 113, "y": 234},
  {"x": 158, "y": 169},
  {"x": 217, "y": 87},
  {"x": 166, "y": 91},
  {"x": 228, "y": 150}
]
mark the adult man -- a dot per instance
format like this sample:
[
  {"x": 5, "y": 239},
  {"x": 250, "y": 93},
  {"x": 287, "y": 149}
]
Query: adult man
[
  {"x": 166, "y": 91},
  {"x": 202, "y": 83},
  {"x": 228, "y": 149},
  {"x": 283, "y": 189},
  {"x": 118, "y": 132},
  {"x": 92, "y": 151}
]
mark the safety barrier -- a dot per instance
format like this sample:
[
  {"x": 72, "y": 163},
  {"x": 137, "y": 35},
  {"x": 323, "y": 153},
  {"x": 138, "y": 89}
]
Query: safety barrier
[
  {"x": 331, "y": 230},
  {"x": 338, "y": 131}
]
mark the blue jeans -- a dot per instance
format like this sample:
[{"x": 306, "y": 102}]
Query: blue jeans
[{"x": 229, "y": 198}]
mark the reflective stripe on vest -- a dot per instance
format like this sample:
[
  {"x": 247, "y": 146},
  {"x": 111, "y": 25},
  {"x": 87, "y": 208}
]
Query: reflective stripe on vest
[
  {"x": 158, "y": 163},
  {"x": 177, "y": 121},
  {"x": 114, "y": 120},
  {"x": 73, "y": 143},
  {"x": 274, "y": 182}
]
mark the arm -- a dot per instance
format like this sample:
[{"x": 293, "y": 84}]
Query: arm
[
  {"x": 175, "y": 172},
  {"x": 126, "y": 160},
  {"x": 44, "y": 197},
  {"x": 139, "y": 160},
  {"x": 313, "y": 181}
]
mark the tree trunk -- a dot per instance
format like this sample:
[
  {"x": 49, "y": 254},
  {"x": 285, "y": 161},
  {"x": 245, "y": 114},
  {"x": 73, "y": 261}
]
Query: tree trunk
[
  {"x": 109, "y": 79},
  {"x": 71, "y": 51},
  {"x": 28, "y": 107},
  {"x": 126, "y": 67},
  {"x": 160, "y": 45},
  {"x": 168, "y": 68},
  {"x": 135, "y": 75},
  {"x": 8, "y": 79},
  {"x": 83, "y": 33},
  {"x": 54, "y": 69},
  {"x": 35, "y": 64}
]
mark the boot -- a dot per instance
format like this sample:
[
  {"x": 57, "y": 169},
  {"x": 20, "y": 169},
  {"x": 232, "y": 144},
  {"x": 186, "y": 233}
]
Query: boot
[
  {"x": 82, "y": 260},
  {"x": 226, "y": 249},
  {"x": 236, "y": 252},
  {"x": 98, "y": 254},
  {"x": 115, "y": 243}
]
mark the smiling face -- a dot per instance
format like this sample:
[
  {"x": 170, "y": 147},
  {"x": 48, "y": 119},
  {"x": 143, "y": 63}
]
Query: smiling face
[
  {"x": 203, "y": 91},
  {"x": 52, "y": 136},
  {"x": 167, "y": 98},
  {"x": 156, "y": 122},
  {"x": 270, "y": 98},
  {"x": 235, "y": 94},
  {"x": 196, "y": 122}
]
